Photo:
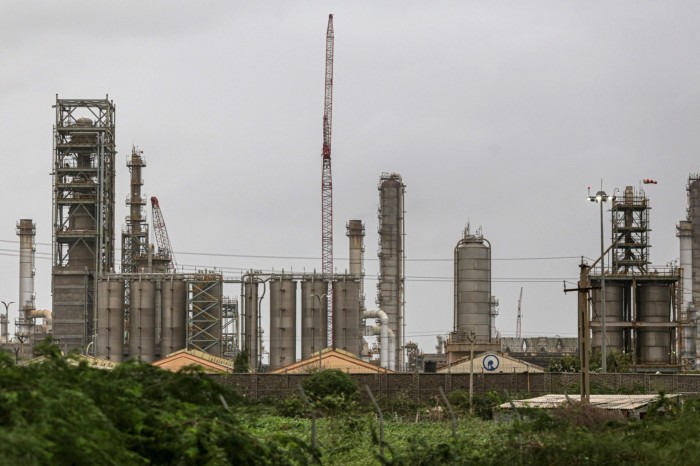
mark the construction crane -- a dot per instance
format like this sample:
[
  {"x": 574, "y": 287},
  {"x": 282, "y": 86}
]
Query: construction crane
[
  {"x": 326, "y": 178},
  {"x": 165, "y": 249},
  {"x": 518, "y": 328}
]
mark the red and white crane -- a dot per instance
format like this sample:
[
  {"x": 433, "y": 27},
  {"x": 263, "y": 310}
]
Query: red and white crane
[
  {"x": 165, "y": 249},
  {"x": 326, "y": 178}
]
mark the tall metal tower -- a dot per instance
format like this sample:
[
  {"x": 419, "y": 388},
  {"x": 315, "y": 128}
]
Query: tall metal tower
[
  {"x": 83, "y": 213},
  {"x": 326, "y": 178},
  {"x": 135, "y": 232}
]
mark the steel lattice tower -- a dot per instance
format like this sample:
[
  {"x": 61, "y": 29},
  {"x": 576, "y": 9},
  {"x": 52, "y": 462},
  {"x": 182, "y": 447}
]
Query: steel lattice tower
[
  {"x": 83, "y": 213},
  {"x": 327, "y": 179}
]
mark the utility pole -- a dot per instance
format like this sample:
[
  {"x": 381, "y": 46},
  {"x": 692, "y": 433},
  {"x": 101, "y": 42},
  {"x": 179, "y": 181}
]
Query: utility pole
[
  {"x": 584, "y": 334},
  {"x": 471, "y": 337},
  {"x": 584, "y": 346}
]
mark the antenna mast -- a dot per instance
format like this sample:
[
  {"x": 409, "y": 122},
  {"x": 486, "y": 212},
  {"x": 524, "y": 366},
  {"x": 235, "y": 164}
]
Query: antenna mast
[
  {"x": 518, "y": 329},
  {"x": 326, "y": 178}
]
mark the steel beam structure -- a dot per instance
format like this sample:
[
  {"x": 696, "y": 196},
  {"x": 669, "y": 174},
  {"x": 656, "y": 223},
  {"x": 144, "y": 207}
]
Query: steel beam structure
[{"x": 83, "y": 213}]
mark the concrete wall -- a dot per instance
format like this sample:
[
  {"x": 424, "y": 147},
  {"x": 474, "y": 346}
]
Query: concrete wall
[{"x": 424, "y": 387}]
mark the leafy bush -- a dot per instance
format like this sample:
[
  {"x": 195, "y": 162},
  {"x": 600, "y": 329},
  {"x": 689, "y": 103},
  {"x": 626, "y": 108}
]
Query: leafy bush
[
  {"x": 63, "y": 412},
  {"x": 329, "y": 382},
  {"x": 292, "y": 406}
]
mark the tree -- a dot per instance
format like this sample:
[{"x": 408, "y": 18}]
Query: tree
[{"x": 240, "y": 364}]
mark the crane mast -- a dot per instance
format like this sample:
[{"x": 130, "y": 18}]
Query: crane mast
[
  {"x": 165, "y": 249},
  {"x": 326, "y": 178}
]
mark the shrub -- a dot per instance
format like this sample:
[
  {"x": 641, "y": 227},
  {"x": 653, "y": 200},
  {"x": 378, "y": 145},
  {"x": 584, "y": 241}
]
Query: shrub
[{"x": 328, "y": 383}]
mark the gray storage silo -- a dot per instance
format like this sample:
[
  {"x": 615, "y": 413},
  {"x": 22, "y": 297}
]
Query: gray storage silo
[
  {"x": 472, "y": 286},
  {"x": 654, "y": 301},
  {"x": 142, "y": 320},
  {"x": 283, "y": 322},
  {"x": 614, "y": 295},
  {"x": 173, "y": 302},
  {"x": 251, "y": 314},
  {"x": 314, "y": 314},
  {"x": 346, "y": 314},
  {"x": 110, "y": 319}
]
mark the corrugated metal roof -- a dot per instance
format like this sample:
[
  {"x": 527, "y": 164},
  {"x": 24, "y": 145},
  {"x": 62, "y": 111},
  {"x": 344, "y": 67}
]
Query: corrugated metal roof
[{"x": 617, "y": 402}]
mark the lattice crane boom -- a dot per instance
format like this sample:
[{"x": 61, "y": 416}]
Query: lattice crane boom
[
  {"x": 326, "y": 178},
  {"x": 165, "y": 248}
]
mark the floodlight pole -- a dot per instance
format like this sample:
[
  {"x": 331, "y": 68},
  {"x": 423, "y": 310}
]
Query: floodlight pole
[{"x": 601, "y": 197}]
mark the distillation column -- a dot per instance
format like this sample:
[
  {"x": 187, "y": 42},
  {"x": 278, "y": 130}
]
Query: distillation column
[
  {"x": 694, "y": 219},
  {"x": 390, "y": 288},
  {"x": 688, "y": 314}
]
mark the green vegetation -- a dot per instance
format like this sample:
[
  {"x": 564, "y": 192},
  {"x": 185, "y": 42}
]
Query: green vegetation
[
  {"x": 616, "y": 360},
  {"x": 60, "y": 411}
]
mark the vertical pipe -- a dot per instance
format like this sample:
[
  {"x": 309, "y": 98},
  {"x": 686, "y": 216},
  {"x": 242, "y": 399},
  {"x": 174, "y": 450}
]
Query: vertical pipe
[{"x": 604, "y": 345}]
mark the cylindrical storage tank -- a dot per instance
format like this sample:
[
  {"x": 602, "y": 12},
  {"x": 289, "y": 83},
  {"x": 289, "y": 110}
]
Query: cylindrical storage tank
[
  {"x": 173, "y": 302},
  {"x": 614, "y": 294},
  {"x": 472, "y": 282},
  {"x": 654, "y": 301},
  {"x": 283, "y": 322},
  {"x": 250, "y": 320},
  {"x": 142, "y": 320},
  {"x": 110, "y": 320},
  {"x": 346, "y": 315},
  {"x": 314, "y": 315}
]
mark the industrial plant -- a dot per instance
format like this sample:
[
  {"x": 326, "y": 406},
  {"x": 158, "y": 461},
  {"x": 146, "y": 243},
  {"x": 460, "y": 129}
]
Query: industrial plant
[
  {"x": 144, "y": 307},
  {"x": 150, "y": 309}
]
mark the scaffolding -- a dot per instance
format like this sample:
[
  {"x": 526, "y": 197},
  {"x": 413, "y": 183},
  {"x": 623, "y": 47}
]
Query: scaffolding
[
  {"x": 83, "y": 213},
  {"x": 630, "y": 222},
  {"x": 204, "y": 302}
]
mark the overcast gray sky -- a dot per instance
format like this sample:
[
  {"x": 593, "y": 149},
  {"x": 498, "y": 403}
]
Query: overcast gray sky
[{"x": 497, "y": 113}]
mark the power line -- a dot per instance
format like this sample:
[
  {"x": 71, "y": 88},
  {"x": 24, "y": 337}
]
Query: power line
[{"x": 314, "y": 258}]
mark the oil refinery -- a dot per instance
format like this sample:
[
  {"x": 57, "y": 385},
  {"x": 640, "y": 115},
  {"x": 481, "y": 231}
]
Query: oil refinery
[{"x": 150, "y": 309}]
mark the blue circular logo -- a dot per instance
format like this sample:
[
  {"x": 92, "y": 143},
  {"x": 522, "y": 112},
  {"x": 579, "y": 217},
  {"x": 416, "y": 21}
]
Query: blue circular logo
[{"x": 490, "y": 362}]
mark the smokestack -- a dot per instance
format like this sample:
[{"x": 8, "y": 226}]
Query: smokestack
[
  {"x": 356, "y": 237},
  {"x": 26, "y": 230}
]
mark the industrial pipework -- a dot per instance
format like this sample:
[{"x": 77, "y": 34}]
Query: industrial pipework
[{"x": 385, "y": 341}]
